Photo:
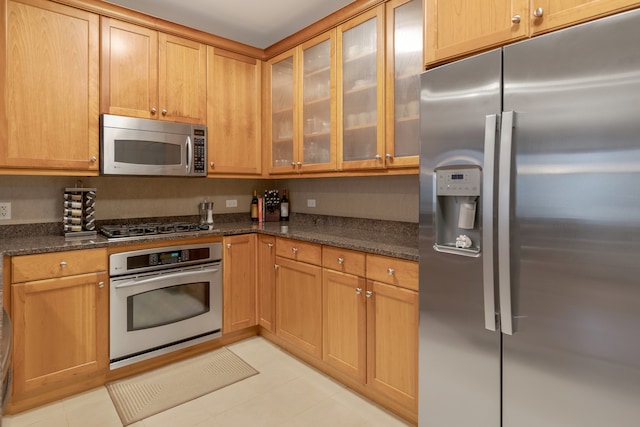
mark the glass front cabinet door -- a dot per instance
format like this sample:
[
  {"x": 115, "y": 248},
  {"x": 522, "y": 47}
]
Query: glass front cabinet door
[
  {"x": 318, "y": 101},
  {"x": 283, "y": 126},
  {"x": 404, "y": 65},
  {"x": 302, "y": 107},
  {"x": 360, "y": 53}
]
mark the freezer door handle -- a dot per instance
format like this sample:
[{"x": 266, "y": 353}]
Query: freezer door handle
[
  {"x": 504, "y": 221},
  {"x": 490, "y": 129}
]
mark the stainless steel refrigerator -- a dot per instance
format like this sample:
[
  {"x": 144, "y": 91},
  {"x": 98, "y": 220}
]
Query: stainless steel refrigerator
[{"x": 530, "y": 233}]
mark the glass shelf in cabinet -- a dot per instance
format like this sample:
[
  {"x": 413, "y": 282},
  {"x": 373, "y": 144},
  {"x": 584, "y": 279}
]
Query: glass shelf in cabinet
[
  {"x": 316, "y": 71},
  {"x": 322, "y": 100}
]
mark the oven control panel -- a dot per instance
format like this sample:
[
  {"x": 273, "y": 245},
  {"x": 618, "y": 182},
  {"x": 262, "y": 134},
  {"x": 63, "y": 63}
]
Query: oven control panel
[{"x": 159, "y": 258}]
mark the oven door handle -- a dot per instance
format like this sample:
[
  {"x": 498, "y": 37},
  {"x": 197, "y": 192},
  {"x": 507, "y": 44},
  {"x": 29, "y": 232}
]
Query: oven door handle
[{"x": 136, "y": 282}]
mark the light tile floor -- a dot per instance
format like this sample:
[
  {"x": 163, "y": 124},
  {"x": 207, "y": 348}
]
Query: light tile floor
[{"x": 286, "y": 393}]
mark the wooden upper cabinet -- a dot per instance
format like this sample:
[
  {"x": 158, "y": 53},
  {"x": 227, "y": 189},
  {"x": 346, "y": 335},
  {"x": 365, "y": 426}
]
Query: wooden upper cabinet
[
  {"x": 301, "y": 108},
  {"x": 182, "y": 79},
  {"x": 233, "y": 113},
  {"x": 404, "y": 66},
  {"x": 51, "y": 88},
  {"x": 360, "y": 56},
  {"x": 129, "y": 69},
  {"x": 281, "y": 125},
  {"x": 317, "y": 96},
  {"x": 152, "y": 75},
  {"x": 458, "y": 27},
  {"x": 547, "y": 15}
]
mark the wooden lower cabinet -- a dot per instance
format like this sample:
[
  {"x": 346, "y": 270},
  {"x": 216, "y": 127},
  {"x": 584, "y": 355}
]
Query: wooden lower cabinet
[
  {"x": 266, "y": 282},
  {"x": 345, "y": 323},
  {"x": 392, "y": 342},
  {"x": 60, "y": 326},
  {"x": 239, "y": 282},
  {"x": 299, "y": 305},
  {"x": 371, "y": 334}
]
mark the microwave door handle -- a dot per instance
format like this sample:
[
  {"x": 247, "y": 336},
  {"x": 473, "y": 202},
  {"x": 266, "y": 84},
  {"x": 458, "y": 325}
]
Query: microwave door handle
[
  {"x": 189, "y": 154},
  {"x": 163, "y": 276}
]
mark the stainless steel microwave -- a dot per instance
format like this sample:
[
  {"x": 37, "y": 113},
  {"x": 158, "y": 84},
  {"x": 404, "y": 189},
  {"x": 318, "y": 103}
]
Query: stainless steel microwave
[{"x": 131, "y": 146}]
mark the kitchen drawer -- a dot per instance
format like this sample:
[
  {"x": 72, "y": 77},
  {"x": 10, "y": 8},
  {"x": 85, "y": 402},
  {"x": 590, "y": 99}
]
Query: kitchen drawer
[
  {"x": 300, "y": 251},
  {"x": 394, "y": 271},
  {"x": 344, "y": 260},
  {"x": 25, "y": 268}
]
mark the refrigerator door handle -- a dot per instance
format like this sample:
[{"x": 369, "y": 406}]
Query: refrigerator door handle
[
  {"x": 504, "y": 222},
  {"x": 490, "y": 128}
]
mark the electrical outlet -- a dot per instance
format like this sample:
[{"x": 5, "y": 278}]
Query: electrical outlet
[
  {"x": 5, "y": 210},
  {"x": 232, "y": 203},
  {"x": 311, "y": 203}
]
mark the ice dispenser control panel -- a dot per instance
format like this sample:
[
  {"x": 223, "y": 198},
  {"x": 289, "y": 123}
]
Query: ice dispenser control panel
[
  {"x": 458, "y": 182},
  {"x": 457, "y": 199}
]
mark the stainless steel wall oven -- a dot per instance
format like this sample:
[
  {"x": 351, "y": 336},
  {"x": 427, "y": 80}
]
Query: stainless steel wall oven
[{"x": 163, "y": 299}]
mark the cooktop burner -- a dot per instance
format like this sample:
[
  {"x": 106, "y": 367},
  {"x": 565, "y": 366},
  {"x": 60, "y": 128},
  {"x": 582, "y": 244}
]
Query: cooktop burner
[{"x": 124, "y": 231}]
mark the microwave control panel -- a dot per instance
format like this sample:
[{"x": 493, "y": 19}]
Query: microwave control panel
[{"x": 199, "y": 151}]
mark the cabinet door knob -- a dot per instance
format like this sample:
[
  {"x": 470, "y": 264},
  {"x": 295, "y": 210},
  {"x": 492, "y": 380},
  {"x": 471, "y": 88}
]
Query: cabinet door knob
[
  {"x": 93, "y": 159},
  {"x": 390, "y": 271},
  {"x": 358, "y": 291},
  {"x": 101, "y": 285},
  {"x": 538, "y": 12},
  {"x": 212, "y": 164},
  {"x": 294, "y": 250},
  {"x": 269, "y": 245},
  {"x": 516, "y": 19},
  {"x": 276, "y": 266},
  {"x": 63, "y": 264},
  {"x": 378, "y": 157},
  {"x": 164, "y": 112},
  {"x": 228, "y": 245},
  {"x": 340, "y": 260},
  {"x": 153, "y": 110},
  {"x": 368, "y": 294},
  {"x": 388, "y": 156},
  {"x": 299, "y": 164}
]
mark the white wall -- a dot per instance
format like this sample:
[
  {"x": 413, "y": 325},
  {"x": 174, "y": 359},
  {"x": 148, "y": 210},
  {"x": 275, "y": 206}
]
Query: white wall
[{"x": 39, "y": 199}]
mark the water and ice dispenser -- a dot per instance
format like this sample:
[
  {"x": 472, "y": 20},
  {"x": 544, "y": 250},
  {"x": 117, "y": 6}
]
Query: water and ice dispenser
[{"x": 457, "y": 199}]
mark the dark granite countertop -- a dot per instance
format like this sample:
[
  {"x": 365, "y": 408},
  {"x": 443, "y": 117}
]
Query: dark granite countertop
[{"x": 388, "y": 238}]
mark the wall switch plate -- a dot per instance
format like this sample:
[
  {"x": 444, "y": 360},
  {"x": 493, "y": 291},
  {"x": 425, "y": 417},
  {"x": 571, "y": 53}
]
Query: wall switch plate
[
  {"x": 5, "y": 210},
  {"x": 232, "y": 203},
  {"x": 311, "y": 203}
]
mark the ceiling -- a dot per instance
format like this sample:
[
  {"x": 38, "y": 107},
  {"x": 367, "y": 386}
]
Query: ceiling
[{"x": 258, "y": 23}]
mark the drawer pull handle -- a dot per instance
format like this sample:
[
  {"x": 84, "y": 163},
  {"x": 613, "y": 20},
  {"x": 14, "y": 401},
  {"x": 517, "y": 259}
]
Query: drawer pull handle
[
  {"x": 63, "y": 264},
  {"x": 390, "y": 271},
  {"x": 358, "y": 291},
  {"x": 368, "y": 294},
  {"x": 340, "y": 260},
  {"x": 294, "y": 250}
]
